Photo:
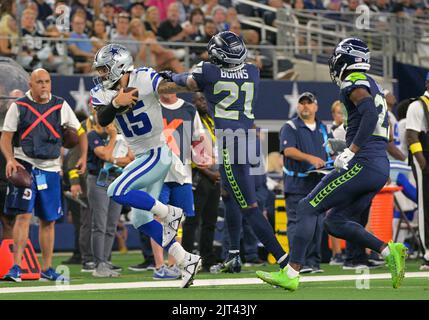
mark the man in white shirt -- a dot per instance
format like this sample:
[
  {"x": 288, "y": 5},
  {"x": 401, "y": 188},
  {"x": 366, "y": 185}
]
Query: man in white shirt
[
  {"x": 417, "y": 134},
  {"x": 32, "y": 140}
]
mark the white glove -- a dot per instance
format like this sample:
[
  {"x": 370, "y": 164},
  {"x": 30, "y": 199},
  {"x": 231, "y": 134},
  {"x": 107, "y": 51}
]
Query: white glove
[{"x": 343, "y": 159}]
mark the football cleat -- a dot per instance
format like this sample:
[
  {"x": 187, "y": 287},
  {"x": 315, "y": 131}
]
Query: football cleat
[
  {"x": 232, "y": 264},
  {"x": 396, "y": 262},
  {"x": 279, "y": 279},
  {"x": 171, "y": 224},
  {"x": 189, "y": 268}
]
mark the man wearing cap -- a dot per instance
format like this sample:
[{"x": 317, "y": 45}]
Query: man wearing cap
[
  {"x": 301, "y": 142},
  {"x": 417, "y": 125}
]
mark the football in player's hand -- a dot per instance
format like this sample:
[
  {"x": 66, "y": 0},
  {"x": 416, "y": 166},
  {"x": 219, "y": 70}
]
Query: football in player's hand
[
  {"x": 125, "y": 109},
  {"x": 20, "y": 178},
  {"x": 70, "y": 137}
]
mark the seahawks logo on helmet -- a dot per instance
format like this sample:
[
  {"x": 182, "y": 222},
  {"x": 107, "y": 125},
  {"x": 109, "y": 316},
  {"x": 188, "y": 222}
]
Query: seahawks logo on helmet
[
  {"x": 349, "y": 54},
  {"x": 112, "y": 62},
  {"x": 227, "y": 49}
]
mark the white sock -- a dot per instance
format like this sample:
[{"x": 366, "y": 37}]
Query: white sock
[
  {"x": 283, "y": 257},
  {"x": 291, "y": 272},
  {"x": 177, "y": 251},
  {"x": 159, "y": 209},
  {"x": 233, "y": 251},
  {"x": 385, "y": 252}
]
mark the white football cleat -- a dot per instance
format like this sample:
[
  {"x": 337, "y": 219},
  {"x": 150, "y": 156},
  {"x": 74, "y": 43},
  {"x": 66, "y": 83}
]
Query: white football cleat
[
  {"x": 170, "y": 224},
  {"x": 191, "y": 265}
]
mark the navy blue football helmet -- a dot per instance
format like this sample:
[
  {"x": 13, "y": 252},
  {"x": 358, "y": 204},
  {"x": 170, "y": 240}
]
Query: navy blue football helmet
[
  {"x": 227, "y": 49},
  {"x": 349, "y": 54}
]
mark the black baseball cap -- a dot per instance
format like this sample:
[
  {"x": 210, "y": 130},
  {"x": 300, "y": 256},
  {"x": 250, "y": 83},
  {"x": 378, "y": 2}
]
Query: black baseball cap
[{"x": 309, "y": 96}]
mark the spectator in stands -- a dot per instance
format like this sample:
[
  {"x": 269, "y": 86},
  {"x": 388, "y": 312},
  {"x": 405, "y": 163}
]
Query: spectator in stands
[
  {"x": 44, "y": 10},
  {"x": 209, "y": 6},
  {"x": 151, "y": 53},
  {"x": 81, "y": 51},
  {"x": 103, "y": 168},
  {"x": 8, "y": 46},
  {"x": 123, "y": 36},
  {"x": 313, "y": 5},
  {"x": 380, "y": 6},
  {"x": 170, "y": 29},
  {"x": 352, "y": 5},
  {"x": 337, "y": 114},
  {"x": 83, "y": 6},
  {"x": 200, "y": 53},
  {"x": 32, "y": 156},
  {"x": 301, "y": 142},
  {"x": 7, "y": 11},
  {"x": 334, "y": 5},
  {"x": 404, "y": 8},
  {"x": 108, "y": 15},
  {"x": 163, "y": 7},
  {"x": 196, "y": 22},
  {"x": 99, "y": 37},
  {"x": 136, "y": 10},
  {"x": 152, "y": 20},
  {"x": 231, "y": 15},
  {"x": 219, "y": 18},
  {"x": 40, "y": 27}
]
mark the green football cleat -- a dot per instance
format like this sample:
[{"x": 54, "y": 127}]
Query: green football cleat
[
  {"x": 280, "y": 279},
  {"x": 396, "y": 262}
]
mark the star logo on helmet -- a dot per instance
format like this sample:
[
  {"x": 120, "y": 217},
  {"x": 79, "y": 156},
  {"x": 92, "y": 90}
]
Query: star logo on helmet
[{"x": 114, "y": 51}]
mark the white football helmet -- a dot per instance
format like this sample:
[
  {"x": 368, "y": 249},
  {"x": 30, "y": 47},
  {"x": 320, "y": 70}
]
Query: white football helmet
[{"x": 117, "y": 60}]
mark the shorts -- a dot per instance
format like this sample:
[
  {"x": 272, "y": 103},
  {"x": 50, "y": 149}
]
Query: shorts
[
  {"x": 178, "y": 195},
  {"x": 46, "y": 203}
]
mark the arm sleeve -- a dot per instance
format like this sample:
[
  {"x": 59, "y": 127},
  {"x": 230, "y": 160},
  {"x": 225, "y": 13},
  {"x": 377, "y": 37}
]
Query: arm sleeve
[
  {"x": 287, "y": 137},
  {"x": 11, "y": 119},
  {"x": 415, "y": 114},
  {"x": 106, "y": 114},
  {"x": 68, "y": 117},
  {"x": 369, "y": 119}
]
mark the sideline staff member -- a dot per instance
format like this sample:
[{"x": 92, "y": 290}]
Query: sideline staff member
[
  {"x": 34, "y": 123},
  {"x": 301, "y": 142},
  {"x": 417, "y": 124}
]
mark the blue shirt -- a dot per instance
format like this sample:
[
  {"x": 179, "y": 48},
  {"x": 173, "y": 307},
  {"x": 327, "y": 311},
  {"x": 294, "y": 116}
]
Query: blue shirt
[
  {"x": 94, "y": 163},
  {"x": 231, "y": 93},
  {"x": 82, "y": 45},
  {"x": 296, "y": 134}
]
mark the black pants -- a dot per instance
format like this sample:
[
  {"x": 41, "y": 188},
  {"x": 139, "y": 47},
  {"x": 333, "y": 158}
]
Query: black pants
[
  {"x": 422, "y": 180},
  {"x": 206, "y": 200}
]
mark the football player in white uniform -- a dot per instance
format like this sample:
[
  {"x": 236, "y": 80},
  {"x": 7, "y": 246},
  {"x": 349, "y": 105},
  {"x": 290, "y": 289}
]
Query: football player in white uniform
[{"x": 141, "y": 123}]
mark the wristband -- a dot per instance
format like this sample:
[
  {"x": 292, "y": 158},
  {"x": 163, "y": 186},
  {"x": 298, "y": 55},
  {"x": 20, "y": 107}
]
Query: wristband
[
  {"x": 80, "y": 131},
  {"x": 416, "y": 147},
  {"x": 73, "y": 174},
  {"x": 115, "y": 105}
]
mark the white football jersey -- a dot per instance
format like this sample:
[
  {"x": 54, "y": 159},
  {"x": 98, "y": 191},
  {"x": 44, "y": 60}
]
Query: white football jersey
[{"x": 143, "y": 125}]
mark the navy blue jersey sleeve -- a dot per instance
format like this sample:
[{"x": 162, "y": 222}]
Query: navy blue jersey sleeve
[
  {"x": 353, "y": 81},
  {"x": 288, "y": 136}
]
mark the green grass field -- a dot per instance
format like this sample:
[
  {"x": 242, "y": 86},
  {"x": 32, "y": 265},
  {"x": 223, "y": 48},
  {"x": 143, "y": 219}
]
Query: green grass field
[{"x": 413, "y": 288}]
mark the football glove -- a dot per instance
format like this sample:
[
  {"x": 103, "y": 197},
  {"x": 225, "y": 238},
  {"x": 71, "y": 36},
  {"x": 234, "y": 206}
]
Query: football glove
[
  {"x": 167, "y": 75},
  {"x": 343, "y": 159}
]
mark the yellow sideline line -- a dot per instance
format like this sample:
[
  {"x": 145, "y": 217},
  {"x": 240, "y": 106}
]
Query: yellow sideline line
[{"x": 197, "y": 283}]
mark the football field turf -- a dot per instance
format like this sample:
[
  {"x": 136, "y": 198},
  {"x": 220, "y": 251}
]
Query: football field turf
[{"x": 334, "y": 283}]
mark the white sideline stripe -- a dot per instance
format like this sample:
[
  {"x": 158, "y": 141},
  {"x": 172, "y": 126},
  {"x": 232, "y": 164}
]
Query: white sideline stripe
[{"x": 197, "y": 283}]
